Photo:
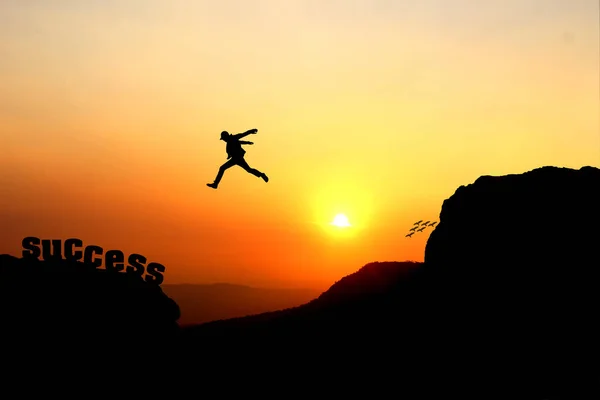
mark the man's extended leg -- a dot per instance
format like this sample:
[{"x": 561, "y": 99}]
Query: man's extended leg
[
  {"x": 228, "y": 164},
  {"x": 242, "y": 163}
]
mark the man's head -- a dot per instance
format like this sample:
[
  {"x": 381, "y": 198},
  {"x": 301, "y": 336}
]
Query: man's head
[{"x": 224, "y": 135}]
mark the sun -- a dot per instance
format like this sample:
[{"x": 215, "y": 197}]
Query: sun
[{"x": 341, "y": 221}]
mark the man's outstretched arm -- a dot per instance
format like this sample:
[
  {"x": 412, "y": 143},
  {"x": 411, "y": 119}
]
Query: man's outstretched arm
[
  {"x": 245, "y": 142},
  {"x": 249, "y": 132}
]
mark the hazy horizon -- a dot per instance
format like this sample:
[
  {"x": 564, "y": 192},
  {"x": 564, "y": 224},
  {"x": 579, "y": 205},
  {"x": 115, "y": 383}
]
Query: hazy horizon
[{"x": 110, "y": 114}]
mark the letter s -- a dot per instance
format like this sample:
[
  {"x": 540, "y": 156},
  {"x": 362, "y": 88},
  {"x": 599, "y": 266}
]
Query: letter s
[
  {"x": 155, "y": 275},
  {"x": 136, "y": 264},
  {"x": 30, "y": 247}
]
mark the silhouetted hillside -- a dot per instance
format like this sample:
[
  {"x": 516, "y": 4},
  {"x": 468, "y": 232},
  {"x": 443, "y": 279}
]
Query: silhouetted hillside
[
  {"x": 73, "y": 308},
  {"x": 372, "y": 279},
  {"x": 353, "y": 292},
  {"x": 204, "y": 303},
  {"x": 506, "y": 300}
]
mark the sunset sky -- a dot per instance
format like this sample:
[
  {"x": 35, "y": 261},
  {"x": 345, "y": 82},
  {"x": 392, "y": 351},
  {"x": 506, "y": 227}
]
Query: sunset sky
[{"x": 110, "y": 114}]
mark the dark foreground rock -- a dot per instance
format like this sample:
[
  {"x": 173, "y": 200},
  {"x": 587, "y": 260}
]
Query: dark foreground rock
[
  {"x": 504, "y": 306},
  {"x": 505, "y": 302},
  {"x": 73, "y": 309}
]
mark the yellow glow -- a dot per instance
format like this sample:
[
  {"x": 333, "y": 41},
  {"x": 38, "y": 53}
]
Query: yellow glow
[
  {"x": 344, "y": 198},
  {"x": 341, "y": 221},
  {"x": 377, "y": 110}
]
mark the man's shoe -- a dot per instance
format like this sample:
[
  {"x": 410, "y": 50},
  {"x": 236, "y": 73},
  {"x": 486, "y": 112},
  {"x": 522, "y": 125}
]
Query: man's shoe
[
  {"x": 212, "y": 185},
  {"x": 265, "y": 177}
]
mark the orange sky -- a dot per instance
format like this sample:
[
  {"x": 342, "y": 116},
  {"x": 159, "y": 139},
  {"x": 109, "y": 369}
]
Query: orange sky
[{"x": 110, "y": 114}]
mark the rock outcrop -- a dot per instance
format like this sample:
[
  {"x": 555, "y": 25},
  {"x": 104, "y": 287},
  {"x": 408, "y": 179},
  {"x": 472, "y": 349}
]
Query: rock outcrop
[
  {"x": 73, "y": 308},
  {"x": 533, "y": 235},
  {"x": 513, "y": 264},
  {"x": 546, "y": 216}
]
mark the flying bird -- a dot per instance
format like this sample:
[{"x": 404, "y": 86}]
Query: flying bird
[
  {"x": 413, "y": 228},
  {"x": 433, "y": 223},
  {"x": 425, "y": 223},
  {"x": 410, "y": 234},
  {"x": 418, "y": 222},
  {"x": 421, "y": 229}
]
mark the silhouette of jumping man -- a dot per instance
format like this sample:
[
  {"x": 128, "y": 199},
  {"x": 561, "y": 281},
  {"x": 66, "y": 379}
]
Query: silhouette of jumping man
[{"x": 235, "y": 156}]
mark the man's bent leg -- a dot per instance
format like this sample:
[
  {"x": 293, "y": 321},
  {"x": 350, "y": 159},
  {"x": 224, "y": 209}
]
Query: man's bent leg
[
  {"x": 242, "y": 163},
  {"x": 230, "y": 163}
]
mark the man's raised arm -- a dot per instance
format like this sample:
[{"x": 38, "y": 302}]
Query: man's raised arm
[{"x": 249, "y": 132}]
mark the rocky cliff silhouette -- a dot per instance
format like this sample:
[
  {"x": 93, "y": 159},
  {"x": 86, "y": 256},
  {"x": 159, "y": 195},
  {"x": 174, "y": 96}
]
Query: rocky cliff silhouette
[
  {"x": 504, "y": 305},
  {"x": 517, "y": 259},
  {"x": 70, "y": 308},
  {"x": 506, "y": 299}
]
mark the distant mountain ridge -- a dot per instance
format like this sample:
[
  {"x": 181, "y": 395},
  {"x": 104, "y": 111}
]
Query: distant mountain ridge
[
  {"x": 356, "y": 292},
  {"x": 213, "y": 285},
  {"x": 201, "y": 303}
]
